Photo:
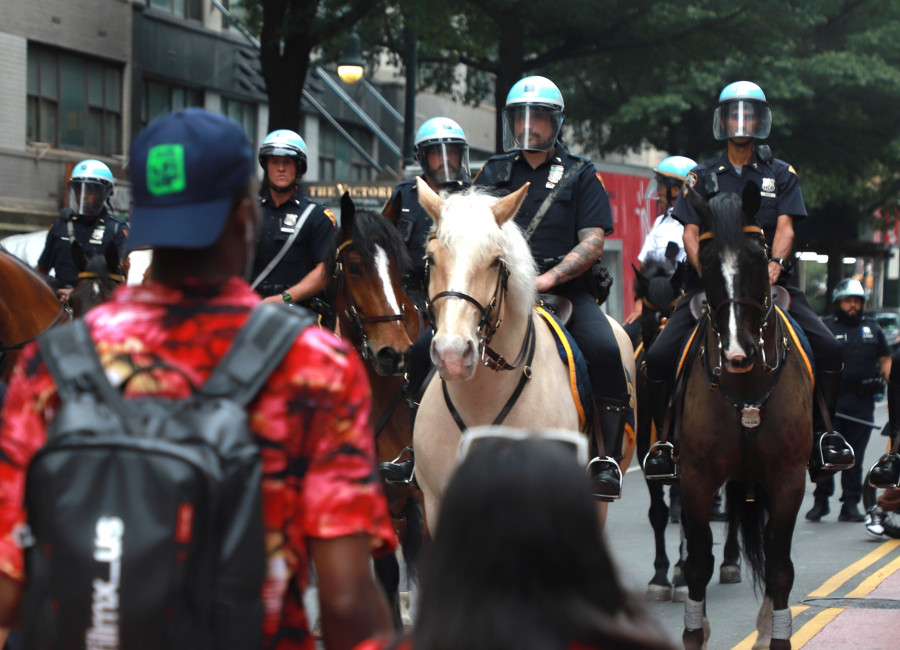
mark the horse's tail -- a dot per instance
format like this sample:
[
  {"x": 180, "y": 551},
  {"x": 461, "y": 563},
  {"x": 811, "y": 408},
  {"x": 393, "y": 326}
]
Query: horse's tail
[
  {"x": 749, "y": 515},
  {"x": 414, "y": 540}
]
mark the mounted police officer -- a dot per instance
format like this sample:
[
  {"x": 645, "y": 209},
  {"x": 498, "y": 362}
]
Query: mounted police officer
[
  {"x": 566, "y": 217},
  {"x": 442, "y": 151},
  {"x": 885, "y": 473},
  {"x": 742, "y": 117},
  {"x": 87, "y": 220},
  {"x": 296, "y": 231},
  {"x": 867, "y": 363}
]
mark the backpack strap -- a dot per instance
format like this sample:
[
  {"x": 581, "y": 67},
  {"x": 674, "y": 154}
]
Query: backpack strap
[
  {"x": 71, "y": 357},
  {"x": 256, "y": 351}
]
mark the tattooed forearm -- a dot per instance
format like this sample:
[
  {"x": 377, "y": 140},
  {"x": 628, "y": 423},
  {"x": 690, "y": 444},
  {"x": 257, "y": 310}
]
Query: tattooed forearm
[{"x": 582, "y": 257}]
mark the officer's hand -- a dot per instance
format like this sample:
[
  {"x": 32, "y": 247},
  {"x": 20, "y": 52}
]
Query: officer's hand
[
  {"x": 544, "y": 282},
  {"x": 774, "y": 272},
  {"x": 63, "y": 295},
  {"x": 635, "y": 313},
  {"x": 273, "y": 299}
]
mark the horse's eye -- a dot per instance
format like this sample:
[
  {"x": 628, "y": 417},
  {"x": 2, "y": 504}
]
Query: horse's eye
[
  {"x": 496, "y": 263},
  {"x": 355, "y": 270}
]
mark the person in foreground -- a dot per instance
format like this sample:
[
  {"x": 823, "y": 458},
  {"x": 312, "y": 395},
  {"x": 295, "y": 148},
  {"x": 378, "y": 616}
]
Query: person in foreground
[
  {"x": 519, "y": 560},
  {"x": 194, "y": 204}
]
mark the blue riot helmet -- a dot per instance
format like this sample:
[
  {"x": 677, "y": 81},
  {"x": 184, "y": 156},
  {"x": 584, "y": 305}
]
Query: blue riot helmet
[
  {"x": 670, "y": 173},
  {"x": 533, "y": 115},
  {"x": 442, "y": 151},
  {"x": 90, "y": 185},
  {"x": 743, "y": 112},
  {"x": 284, "y": 142}
]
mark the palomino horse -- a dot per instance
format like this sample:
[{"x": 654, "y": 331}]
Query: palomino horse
[
  {"x": 379, "y": 320},
  {"x": 747, "y": 418},
  {"x": 97, "y": 278},
  {"x": 28, "y": 306},
  {"x": 497, "y": 357}
]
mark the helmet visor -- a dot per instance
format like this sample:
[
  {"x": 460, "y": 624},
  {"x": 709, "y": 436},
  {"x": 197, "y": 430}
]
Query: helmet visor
[
  {"x": 444, "y": 163},
  {"x": 87, "y": 197},
  {"x": 742, "y": 118},
  {"x": 531, "y": 128},
  {"x": 661, "y": 182}
]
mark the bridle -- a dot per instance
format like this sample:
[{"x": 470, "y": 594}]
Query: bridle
[{"x": 357, "y": 319}]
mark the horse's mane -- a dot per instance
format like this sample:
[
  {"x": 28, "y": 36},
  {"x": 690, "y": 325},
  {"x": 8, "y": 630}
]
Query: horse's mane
[
  {"x": 659, "y": 287},
  {"x": 371, "y": 229},
  {"x": 468, "y": 222},
  {"x": 727, "y": 223}
]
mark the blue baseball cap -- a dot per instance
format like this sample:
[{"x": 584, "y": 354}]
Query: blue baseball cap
[{"x": 185, "y": 168}]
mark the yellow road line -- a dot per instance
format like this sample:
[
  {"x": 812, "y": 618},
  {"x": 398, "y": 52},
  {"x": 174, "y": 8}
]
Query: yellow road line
[{"x": 832, "y": 584}]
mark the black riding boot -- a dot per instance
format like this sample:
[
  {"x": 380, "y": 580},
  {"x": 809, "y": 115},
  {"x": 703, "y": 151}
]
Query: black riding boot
[
  {"x": 606, "y": 475},
  {"x": 831, "y": 453},
  {"x": 886, "y": 472},
  {"x": 659, "y": 464}
]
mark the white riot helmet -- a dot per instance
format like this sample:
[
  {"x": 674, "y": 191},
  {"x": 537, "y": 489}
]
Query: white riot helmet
[
  {"x": 531, "y": 102},
  {"x": 444, "y": 137},
  {"x": 848, "y": 288},
  {"x": 90, "y": 185}
]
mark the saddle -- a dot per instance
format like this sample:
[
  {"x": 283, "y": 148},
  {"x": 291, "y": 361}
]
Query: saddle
[
  {"x": 780, "y": 297},
  {"x": 559, "y": 306}
]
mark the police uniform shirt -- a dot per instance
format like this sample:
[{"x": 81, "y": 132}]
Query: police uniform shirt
[
  {"x": 413, "y": 222},
  {"x": 309, "y": 248},
  {"x": 777, "y": 180},
  {"x": 583, "y": 203},
  {"x": 864, "y": 344},
  {"x": 94, "y": 235},
  {"x": 666, "y": 229}
]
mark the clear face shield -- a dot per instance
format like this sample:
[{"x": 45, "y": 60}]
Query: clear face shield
[
  {"x": 444, "y": 163},
  {"x": 87, "y": 197},
  {"x": 532, "y": 128},
  {"x": 742, "y": 118},
  {"x": 660, "y": 188}
]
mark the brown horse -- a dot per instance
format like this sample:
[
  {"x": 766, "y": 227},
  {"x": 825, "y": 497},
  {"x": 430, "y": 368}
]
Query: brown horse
[
  {"x": 97, "y": 278},
  {"x": 28, "y": 306},
  {"x": 379, "y": 319},
  {"x": 747, "y": 418}
]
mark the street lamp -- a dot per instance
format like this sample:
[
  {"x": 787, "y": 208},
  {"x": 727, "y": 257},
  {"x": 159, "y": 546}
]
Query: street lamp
[{"x": 351, "y": 65}]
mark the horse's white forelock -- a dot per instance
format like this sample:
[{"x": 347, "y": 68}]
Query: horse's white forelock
[{"x": 467, "y": 224}]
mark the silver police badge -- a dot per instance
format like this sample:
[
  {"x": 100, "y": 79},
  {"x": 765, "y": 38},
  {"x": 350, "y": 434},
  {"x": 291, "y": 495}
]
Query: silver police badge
[
  {"x": 768, "y": 187},
  {"x": 556, "y": 172},
  {"x": 750, "y": 417},
  {"x": 290, "y": 221},
  {"x": 97, "y": 235}
]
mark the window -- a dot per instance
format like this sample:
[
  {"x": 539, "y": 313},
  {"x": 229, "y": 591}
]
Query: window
[
  {"x": 160, "y": 98},
  {"x": 338, "y": 159},
  {"x": 192, "y": 9},
  {"x": 244, "y": 113},
  {"x": 73, "y": 101}
]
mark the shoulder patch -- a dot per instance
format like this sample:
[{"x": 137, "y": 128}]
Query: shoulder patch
[
  {"x": 330, "y": 215},
  {"x": 600, "y": 178},
  {"x": 689, "y": 181}
]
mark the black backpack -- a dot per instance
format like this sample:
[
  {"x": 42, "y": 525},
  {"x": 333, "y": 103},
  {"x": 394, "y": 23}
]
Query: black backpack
[{"x": 144, "y": 515}]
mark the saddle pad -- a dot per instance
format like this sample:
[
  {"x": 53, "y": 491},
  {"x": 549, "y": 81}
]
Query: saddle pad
[{"x": 579, "y": 381}]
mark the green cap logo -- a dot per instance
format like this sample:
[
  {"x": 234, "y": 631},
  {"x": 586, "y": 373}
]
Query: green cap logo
[{"x": 165, "y": 169}]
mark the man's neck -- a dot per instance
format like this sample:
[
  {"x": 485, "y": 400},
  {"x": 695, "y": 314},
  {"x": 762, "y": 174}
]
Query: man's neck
[
  {"x": 740, "y": 153},
  {"x": 537, "y": 158},
  {"x": 280, "y": 197}
]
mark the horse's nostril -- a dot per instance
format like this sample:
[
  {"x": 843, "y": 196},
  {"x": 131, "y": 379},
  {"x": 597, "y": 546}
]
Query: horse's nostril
[{"x": 387, "y": 357}]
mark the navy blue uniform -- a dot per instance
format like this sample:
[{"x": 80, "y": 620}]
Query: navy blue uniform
[
  {"x": 864, "y": 344},
  {"x": 415, "y": 225},
  {"x": 780, "y": 193},
  {"x": 308, "y": 250},
  {"x": 582, "y": 204},
  {"x": 93, "y": 234}
]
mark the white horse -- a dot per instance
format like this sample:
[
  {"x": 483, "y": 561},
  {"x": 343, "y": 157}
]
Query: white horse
[{"x": 496, "y": 356}]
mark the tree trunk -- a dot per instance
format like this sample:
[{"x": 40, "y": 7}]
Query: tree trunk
[{"x": 510, "y": 68}]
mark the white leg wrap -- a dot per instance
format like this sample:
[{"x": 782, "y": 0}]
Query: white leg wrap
[
  {"x": 693, "y": 614},
  {"x": 781, "y": 623}
]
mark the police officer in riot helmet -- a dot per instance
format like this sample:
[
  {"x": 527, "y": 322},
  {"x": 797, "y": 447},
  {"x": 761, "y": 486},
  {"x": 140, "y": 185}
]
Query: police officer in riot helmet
[
  {"x": 742, "y": 118},
  {"x": 867, "y": 363},
  {"x": 566, "y": 241},
  {"x": 86, "y": 219},
  {"x": 443, "y": 153},
  {"x": 296, "y": 230}
]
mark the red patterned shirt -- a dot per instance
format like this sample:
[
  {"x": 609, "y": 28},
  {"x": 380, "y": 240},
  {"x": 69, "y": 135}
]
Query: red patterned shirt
[{"x": 310, "y": 419}]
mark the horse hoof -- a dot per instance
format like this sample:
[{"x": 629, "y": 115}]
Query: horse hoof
[
  {"x": 679, "y": 594},
  {"x": 658, "y": 593},
  {"x": 729, "y": 575}
]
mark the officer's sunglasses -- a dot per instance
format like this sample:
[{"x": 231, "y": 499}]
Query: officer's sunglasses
[{"x": 572, "y": 440}]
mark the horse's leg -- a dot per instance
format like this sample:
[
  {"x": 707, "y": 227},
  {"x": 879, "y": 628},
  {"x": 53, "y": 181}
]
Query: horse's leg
[
  {"x": 700, "y": 563},
  {"x": 679, "y": 586},
  {"x": 387, "y": 570},
  {"x": 659, "y": 588},
  {"x": 730, "y": 571}
]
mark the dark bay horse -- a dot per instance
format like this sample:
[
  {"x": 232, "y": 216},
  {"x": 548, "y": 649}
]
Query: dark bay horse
[
  {"x": 98, "y": 276},
  {"x": 747, "y": 418},
  {"x": 28, "y": 306},
  {"x": 377, "y": 317}
]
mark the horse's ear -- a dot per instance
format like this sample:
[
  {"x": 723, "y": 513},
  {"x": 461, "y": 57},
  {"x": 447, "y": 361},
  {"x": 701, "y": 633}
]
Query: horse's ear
[
  {"x": 429, "y": 199},
  {"x": 78, "y": 258},
  {"x": 751, "y": 201},
  {"x": 643, "y": 284},
  {"x": 112, "y": 258},
  {"x": 507, "y": 207},
  {"x": 701, "y": 207},
  {"x": 348, "y": 214}
]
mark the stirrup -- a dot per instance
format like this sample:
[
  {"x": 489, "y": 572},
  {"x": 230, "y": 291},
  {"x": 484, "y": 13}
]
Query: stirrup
[
  {"x": 412, "y": 475},
  {"x": 612, "y": 465},
  {"x": 884, "y": 485},
  {"x": 834, "y": 467},
  {"x": 662, "y": 477}
]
